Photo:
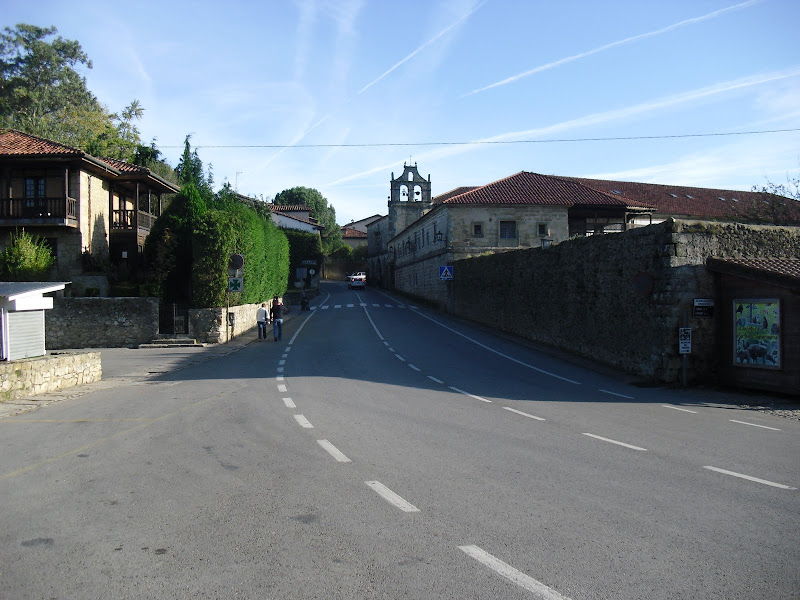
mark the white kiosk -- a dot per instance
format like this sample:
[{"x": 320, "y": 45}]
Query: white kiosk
[{"x": 22, "y": 306}]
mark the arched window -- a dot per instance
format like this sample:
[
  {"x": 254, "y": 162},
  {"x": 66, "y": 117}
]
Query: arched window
[
  {"x": 404, "y": 193},
  {"x": 417, "y": 193}
]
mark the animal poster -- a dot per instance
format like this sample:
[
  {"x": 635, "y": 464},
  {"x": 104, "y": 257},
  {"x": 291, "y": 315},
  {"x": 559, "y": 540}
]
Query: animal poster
[{"x": 757, "y": 333}]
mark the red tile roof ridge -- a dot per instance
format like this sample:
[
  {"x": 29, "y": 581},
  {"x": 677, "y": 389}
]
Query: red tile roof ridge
[
  {"x": 537, "y": 189},
  {"x": 19, "y": 143}
]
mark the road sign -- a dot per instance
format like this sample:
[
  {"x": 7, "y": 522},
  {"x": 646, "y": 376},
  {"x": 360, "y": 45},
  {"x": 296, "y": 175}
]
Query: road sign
[
  {"x": 446, "y": 273},
  {"x": 703, "y": 308},
  {"x": 235, "y": 284},
  {"x": 685, "y": 340},
  {"x": 236, "y": 262}
]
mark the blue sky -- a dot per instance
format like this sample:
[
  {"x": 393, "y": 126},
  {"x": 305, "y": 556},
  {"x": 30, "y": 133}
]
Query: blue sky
[{"x": 317, "y": 79}]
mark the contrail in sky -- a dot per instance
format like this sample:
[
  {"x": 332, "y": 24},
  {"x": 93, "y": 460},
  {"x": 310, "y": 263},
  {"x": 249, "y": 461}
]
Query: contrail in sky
[
  {"x": 600, "y": 118},
  {"x": 421, "y": 48},
  {"x": 635, "y": 38}
]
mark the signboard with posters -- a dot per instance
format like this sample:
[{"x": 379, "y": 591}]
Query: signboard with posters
[{"x": 757, "y": 333}]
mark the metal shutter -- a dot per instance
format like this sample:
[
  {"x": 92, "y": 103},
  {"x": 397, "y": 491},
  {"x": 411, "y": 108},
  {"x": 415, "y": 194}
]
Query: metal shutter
[{"x": 25, "y": 334}]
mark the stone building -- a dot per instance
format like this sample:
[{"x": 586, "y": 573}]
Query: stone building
[
  {"x": 82, "y": 206},
  {"x": 418, "y": 237}
]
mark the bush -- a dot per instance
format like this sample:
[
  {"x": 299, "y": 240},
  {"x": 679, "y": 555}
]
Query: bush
[{"x": 25, "y": 259}]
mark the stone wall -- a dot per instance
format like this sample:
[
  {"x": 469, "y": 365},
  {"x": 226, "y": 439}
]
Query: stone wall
[
  {"x": 618, "y": 298},
  {"x": 101, "y": 322},
  {"x": 35, "y": 376}
]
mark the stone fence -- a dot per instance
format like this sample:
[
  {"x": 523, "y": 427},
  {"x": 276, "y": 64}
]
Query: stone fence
[
  {"x": 129, "y": 322},
  {"x": 618, "y": 298},
  {"x": 51, "y": 373},
  {"x": 101, "y": 322}
]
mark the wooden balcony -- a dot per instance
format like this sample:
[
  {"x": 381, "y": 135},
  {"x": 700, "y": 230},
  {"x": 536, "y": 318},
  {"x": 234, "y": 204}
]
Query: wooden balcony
[
  {"x": 39, "y": 211},
  {"x": 132, "y": 219}
]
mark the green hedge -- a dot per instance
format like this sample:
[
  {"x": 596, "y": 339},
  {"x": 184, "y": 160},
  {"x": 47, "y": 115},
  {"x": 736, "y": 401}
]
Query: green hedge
[{"x": 191, "y": 243}]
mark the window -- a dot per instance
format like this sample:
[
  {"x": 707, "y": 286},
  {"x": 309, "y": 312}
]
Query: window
[
  {"x": 508, "y": 230},
  {"x": 543, "y": 229},
  {"x": 477, "y": 230},
  {"x": 34, "y": 189}
]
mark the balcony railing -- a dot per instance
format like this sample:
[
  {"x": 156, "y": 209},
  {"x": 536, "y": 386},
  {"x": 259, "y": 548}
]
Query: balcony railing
[
  {"x": 130, "y": 219},
  {"x": 46, "y": 210}
]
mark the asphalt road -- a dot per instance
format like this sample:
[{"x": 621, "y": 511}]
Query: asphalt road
[{"x": 385, "y": 451}]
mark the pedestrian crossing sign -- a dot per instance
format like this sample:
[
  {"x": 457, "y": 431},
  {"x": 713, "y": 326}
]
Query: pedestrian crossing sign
[{"x": 446, "y": 273}]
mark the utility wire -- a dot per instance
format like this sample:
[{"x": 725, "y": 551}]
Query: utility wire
[{"x": 487, "y": 142}]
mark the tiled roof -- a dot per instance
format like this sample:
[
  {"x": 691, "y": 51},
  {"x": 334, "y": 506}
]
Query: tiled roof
[
  {"x": 16, "y": 143},
  {"x": 456, "y": 192},
  {"x": 290, "y": 208},
  {"x": 785, "y": 271},
  {"x": 705, "y": 203},
  {"x": 124, "y": 167},
  {"x": 350, "y": 233},
  {"x": 532, "y": 188}
]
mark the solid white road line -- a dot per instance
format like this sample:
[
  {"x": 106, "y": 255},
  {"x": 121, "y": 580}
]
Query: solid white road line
[
  {"x": 333, "y": 451},
  {"x": 289, "y": 403},
  {"x": 694, "y": 412},
  {"x": 455, "y": 389},
  {"x": 754, "y": 425},
  {"x": 505, "y": 570},
  {"x": 619, "y": 395},
  {"x": 432, "y": 378},
  {"x": 524, "y": 414},
  {"x": 303, "y": 422},
  {"x": 506, "y": 356},
  {"x": 597, "y": 437},
  {"x": 749, "y": 478},
  {"x": 391, "y": 497}
]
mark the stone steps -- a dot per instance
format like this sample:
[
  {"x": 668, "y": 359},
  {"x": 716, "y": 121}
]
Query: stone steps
[{"x": 173, "y": 342}]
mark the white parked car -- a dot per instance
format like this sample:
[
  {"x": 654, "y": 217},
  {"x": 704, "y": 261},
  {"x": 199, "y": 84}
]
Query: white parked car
[{"x": 357, "y": 280}]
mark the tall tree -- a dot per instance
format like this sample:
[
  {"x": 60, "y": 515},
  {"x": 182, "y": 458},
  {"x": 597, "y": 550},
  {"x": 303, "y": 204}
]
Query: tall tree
[
  {"x": 40, "y": 81},
  {"x": 190, "y": 170},
  {"x": 43, "y": 93},
  {"x": 320, "y": 210}
]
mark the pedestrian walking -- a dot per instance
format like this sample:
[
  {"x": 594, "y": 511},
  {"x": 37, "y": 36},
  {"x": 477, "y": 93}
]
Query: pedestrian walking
[
  {"x": 262, "y": 317},
  {"x": 276, "y": 313}
]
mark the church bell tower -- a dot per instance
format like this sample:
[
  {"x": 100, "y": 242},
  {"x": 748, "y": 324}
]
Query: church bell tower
[{"x": 410, "y": 199}]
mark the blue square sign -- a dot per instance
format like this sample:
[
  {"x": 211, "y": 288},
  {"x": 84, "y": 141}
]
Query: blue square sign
[{"x": 446, "y": 273}]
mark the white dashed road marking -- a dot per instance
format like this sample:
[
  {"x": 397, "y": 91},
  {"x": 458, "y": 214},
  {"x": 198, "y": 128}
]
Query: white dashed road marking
[
  {"x": 432, "y": 378},
  {"x": 415, "y": 368},
  {"x": 524, "y": 414},
  {"x": 303, "y": 421},
  {"x": 754, "y": 425},
  {"x": 524, "y": 581},
  {"x": 282, "y": 389},
  {"x": 455, "y": 389},
  {"x": 391, "y": 497},
  {"x": 749, "y": 478},
  {"x": 694, "y": 412},
  {"x": 618, "y": 395},
  {"x": 333, "y": 451},
  {"x": 597, "y": 437},
  {"x": 289, "y": 403}
]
